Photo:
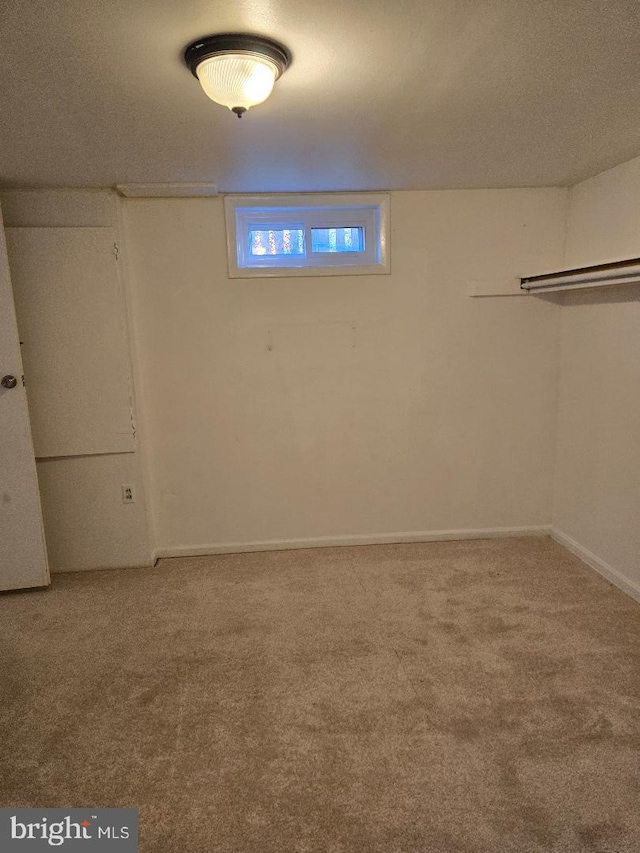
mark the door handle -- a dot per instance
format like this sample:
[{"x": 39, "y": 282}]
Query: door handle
[{"x": 8, "y": 381}]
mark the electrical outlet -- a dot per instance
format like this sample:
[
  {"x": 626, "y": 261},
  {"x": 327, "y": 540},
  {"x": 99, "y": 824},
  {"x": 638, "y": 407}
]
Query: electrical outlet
[{"x": 128, "y": 494}]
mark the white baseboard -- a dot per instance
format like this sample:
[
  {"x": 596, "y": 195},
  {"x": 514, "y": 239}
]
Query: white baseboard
[
  {"x": 100, "y": 567},
  {"x": 594, "y": 562},
  {"x": 333, "y": 541}
]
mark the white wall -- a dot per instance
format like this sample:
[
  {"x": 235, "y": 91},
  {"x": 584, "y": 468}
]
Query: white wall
[
  {"x": 86, "y": 524},
  {"x": 597, "y": 479},
  {"x": 293, "y": 410},
  {"x": 338, "y": 409}
]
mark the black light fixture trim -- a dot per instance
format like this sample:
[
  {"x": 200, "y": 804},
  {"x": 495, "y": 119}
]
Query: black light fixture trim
[{"x": 203, "y": 48}]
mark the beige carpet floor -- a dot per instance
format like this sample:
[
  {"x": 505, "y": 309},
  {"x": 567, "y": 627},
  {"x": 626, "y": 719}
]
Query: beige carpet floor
[{"x": 460, "y": 696}]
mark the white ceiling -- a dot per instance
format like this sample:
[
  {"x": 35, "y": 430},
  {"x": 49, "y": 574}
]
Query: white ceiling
[{"x": 382, "y": 94}]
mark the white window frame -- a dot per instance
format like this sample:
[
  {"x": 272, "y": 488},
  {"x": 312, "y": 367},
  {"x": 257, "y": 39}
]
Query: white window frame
[{"x": 369, "y": 211}]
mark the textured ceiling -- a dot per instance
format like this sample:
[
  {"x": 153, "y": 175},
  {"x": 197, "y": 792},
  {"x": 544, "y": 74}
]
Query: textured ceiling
[{"x": 382, "y": 94}]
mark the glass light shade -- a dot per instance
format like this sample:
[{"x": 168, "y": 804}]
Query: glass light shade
[{"x": 237, "y": 80}]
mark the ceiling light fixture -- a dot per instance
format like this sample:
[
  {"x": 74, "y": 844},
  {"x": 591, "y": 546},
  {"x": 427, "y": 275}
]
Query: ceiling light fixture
[{"x": 237, "y": 70}]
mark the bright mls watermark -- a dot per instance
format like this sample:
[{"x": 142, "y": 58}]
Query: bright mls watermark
[{"x": 35, "y": 830}]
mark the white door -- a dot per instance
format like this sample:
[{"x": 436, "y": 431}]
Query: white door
[
  {"x": 23, "y": 555},
  {"x": 69, "y": 306}
]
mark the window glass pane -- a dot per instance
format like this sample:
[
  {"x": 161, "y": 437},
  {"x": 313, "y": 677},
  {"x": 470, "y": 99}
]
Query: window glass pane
[
  {"x": 307, "y": 234},
  {"x": 337, "y": 239},
  {"x": 275, "y": 242}
]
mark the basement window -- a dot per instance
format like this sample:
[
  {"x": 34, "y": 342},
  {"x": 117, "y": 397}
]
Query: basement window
[{"x": 300, "y": 235}]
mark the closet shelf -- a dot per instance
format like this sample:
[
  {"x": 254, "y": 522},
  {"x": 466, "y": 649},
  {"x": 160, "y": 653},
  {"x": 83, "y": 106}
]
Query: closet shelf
[{"x": 599, "y": 275}]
